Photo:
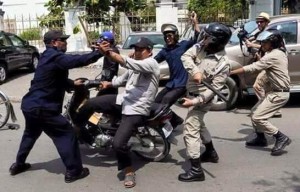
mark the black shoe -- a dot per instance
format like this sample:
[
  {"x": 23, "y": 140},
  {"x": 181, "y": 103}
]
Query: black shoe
[
  {"x": 259, "y": 141},
  {"x": 281, "y": 142},
  {"x": 209, "y": 156},
  {"x": 71, "y": 178},
  {"x": 18, "y": 168},
  {"x": 194, "y": 174}
]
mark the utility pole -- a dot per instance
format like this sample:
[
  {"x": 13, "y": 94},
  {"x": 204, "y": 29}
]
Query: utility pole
[{"x": 1, "y": 17}]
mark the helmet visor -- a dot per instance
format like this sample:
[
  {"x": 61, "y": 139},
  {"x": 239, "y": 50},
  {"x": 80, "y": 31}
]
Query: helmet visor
[{"x": 263, "y": 36}]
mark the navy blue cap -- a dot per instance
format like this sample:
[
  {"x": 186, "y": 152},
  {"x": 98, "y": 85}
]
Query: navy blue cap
[
  {"x": 143, "y": 42},
  {"x": 54, "y": 35}
]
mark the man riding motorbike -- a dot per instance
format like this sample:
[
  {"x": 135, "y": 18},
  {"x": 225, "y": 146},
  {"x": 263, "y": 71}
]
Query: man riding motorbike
[{"x": 133, "y": 105}]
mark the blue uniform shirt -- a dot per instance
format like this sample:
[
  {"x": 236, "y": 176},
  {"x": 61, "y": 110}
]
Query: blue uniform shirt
[
  {"x": 178, "y": 74},
  {"x": 50, "y": 80}
]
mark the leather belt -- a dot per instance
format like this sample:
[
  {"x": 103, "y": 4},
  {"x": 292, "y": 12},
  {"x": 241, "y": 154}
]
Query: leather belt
[
  {"x": 281, "y": 90},
  {"x": 193, "y": 94}
]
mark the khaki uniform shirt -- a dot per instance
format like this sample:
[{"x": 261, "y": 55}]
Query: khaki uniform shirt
[
  {"x": 195, "y": 61},
  {"x": 275, "y": 63}
]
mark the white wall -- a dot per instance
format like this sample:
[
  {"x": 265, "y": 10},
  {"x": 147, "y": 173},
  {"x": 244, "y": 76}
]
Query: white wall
[
  {"x": 166, "y": 12},
  {"x": 17, "y": 8},
  {"x": 261, "y": 6},
  {"x": 76, "y": 42}
]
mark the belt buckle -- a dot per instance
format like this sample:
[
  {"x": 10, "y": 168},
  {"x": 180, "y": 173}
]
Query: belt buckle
[
  {"x": 193, "y": 94},
  {"x": 210, "y": 76}
]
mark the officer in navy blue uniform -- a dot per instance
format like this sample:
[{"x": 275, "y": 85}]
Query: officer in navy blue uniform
[{"x": 42, "y": 106}]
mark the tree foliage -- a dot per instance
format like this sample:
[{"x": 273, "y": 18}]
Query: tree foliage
[
  {"x": 31, "y": 34},
  {"x": 97, "y": 10},
  {"x": 218, "y": 10}
]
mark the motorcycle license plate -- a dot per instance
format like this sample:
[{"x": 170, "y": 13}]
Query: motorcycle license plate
[
  {"x": 95, "y": 118},
  {"x": 167, "y": 129}
]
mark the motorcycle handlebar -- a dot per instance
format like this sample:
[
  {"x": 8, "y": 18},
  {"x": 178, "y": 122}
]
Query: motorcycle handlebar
[{"x": 91, "y": 83}]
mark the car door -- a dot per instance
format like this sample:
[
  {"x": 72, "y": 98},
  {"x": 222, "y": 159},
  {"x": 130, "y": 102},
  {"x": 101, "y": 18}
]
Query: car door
[
  {"x": 24, "y": 56},
  {"x": 7, "y": 52},
  {"x": 289, "y": 30}
]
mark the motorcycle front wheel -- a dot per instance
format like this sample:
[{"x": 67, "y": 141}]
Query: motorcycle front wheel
[{"x": 154, "y": 146}]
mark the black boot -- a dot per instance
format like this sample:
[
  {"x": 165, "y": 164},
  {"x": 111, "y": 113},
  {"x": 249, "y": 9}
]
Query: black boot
[
  {"x": 210, "y": 154},
  {"x": 18, "y": 168},
  {"x": 281, "y": 142},
  {"x": 194, "y": 174},
  {"x": 259, "y": 141},
  {"x": 176, "y": 120}
]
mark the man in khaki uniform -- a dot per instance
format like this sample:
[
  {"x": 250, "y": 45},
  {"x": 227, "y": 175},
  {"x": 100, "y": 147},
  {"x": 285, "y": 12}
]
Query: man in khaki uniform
[
  {"x": 206, "y": 60},
  {"x": 261, "y": 85},
  {"x": 275, "y": 64}
]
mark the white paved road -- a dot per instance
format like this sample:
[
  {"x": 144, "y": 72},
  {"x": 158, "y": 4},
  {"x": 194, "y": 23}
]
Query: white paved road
[{"x": 240, "y": 169}]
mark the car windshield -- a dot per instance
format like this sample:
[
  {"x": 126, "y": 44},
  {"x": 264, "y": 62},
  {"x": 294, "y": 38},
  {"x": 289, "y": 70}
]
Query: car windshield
[
  {"x": 157, "y": 39},
  {"x": 249, "y": 27}
]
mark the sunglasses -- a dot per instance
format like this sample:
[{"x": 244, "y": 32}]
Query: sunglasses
[
  {"x": 62, "y": 40},
  {"x": 260, "y": 22},
  {"x": 169, "y": 35}
]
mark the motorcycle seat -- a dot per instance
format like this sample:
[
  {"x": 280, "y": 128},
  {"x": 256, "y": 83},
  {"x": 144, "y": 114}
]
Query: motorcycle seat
[{"x": 156, "y": 109}]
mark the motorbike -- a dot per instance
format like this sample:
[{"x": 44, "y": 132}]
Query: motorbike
[{"x": 150, "y": 141}]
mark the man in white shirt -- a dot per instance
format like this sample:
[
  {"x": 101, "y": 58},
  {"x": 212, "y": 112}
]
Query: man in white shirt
[{"x": 133, "y": 105}]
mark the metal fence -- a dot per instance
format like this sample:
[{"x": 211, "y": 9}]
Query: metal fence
[{"x": 29, "y": 27}]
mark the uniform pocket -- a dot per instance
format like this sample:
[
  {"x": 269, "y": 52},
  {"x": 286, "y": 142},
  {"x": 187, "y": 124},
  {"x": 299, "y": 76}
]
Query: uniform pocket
[{"x": 276, "y": 97}]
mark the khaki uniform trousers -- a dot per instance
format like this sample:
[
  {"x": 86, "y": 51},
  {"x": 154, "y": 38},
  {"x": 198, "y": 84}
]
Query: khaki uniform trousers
[
  {"x": 262, "y": 84},
  {"x": 261, "y": 88},
  {"x": 195, "y": 130},
  {"x": 272, "y": 102}
]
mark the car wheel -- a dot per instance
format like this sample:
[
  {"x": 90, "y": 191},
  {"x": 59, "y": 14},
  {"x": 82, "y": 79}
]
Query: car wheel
[
  {"x": 230, "y": 91},
  {"x": 34, "y": 62},
  {"x": 3, "y": 73}
]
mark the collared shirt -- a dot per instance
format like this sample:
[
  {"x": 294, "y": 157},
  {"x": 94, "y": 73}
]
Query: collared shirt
[
  {"x": 275, "y": 63},
  {"x": 142, "y": 78},
  {"x": 178, "y": 75},
  {"x": 214, "y": 68},
  {"x": 50, "y": 79}
]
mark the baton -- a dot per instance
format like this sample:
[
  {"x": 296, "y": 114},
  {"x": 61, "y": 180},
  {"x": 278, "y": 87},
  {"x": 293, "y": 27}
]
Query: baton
[{"x": 215, "y": 91}]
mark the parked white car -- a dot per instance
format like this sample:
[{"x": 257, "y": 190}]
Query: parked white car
[{"x": 158, "y": 40}]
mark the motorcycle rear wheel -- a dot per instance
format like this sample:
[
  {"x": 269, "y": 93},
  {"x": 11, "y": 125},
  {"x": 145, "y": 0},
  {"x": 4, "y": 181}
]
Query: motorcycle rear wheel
[{"x": 159, "y": 146}]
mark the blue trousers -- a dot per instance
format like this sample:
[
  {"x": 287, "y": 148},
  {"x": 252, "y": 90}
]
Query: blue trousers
[{"x": 59, "y": 130}]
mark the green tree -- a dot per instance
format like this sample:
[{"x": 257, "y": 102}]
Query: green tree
[
  {"x": 97, "y": 10},
  {"x": 31, "y": 34},
  {"x": 54, "y": 18},
  {"x": 218, "y": 10}
]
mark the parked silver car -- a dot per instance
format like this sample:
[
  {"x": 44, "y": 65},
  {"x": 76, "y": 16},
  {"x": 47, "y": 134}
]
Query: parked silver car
[
  {"x": 237, "y": 86},
  {"x": 157, "y": 38}
]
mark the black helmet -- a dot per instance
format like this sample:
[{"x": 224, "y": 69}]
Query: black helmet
[
  {"x": 218, "y": 32},
  {"x": 273, "y": 36}
]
